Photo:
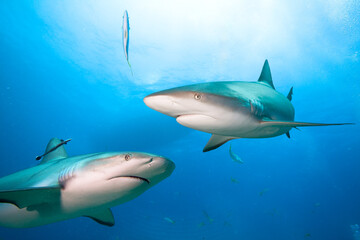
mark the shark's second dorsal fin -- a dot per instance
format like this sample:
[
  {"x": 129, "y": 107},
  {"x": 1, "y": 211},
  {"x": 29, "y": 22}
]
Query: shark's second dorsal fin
[
  {"x": 289, "y": 96},
  {"x": 58, "y": 153},
  {"x": 265, "y": 76}
]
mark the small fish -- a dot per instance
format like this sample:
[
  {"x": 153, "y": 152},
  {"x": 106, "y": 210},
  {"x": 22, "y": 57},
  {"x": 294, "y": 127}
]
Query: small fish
[
  {"x": 307, "y": 235},
  {"x": 125, "y": 36},
  {"x": 201, "y": 224},
  {"x": 235, "y": 157},
  {"x": 316, "y": 205},
  {"x": 207, "y": 216},
  {"x": 226, "y": 223},
  {"x": 169, "y": 220},
  {"x": 273, "y": 212},
  {"x": 54, "y": 148},
  {"x": 234, "y": 180},
  {"x": 263, "y": 191}
]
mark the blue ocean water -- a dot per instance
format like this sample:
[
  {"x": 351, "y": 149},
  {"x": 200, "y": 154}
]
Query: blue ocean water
[{"x": 63, "y": 74}]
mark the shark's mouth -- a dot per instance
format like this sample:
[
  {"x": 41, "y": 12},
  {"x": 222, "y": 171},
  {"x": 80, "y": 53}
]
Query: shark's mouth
[{"x": 134, "y": 177}]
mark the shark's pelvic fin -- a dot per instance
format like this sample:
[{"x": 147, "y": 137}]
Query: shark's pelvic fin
[
  {"x": 31, "y": 196},
  {"x": 104, "y": 217},
  {"x": 57, "y": 153},
  {"x": 216, "y": 141},
  {"x": 289, "y": 96},
  {"x": 298, "y": 124},
  {"x": 265, "y": 76}
]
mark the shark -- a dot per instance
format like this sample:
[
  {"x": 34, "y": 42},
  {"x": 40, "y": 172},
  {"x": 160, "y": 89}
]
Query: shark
[
  {"x": 125, "y": 37},
  {"x": 231, "y": 109},
  {"x": 234, "y": 156},
  {"x": 62, "y": 187}
]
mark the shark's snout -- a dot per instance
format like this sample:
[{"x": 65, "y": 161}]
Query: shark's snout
[
  {"x": 156, "y": 101},
  {"x": 163, "y": 103},
  {"x": 167, "y": 165},
  {"x": 159, "y": 169}
]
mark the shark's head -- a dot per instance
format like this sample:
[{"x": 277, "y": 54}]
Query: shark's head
[
  {"x": 205, "y": 107},
  {"x": 143, "y": 168},
  {"x": 115, "y": 178}
]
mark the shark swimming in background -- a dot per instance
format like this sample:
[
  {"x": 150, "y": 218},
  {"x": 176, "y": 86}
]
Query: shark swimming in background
[
  {"x": 125, "y": 36},
  {"x": 230, "y": 110},
  {"x": 63, "y": 187},
  {"x": 234, "y": 156}
]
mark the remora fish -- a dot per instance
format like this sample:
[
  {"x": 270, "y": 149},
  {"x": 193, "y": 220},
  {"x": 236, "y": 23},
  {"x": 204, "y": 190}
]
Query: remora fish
[
  {"x": 231, "y": 110},
  {"x": 125, "y": 36},
  {"x": 62, "y": 142},
  {"x": 207, "y": 216},
  {"x": 234, "y": 180},
  {"x": 63, "y": 187},
  {"x": 235, "y": 157},
  {"x": 169, "y": 220}
]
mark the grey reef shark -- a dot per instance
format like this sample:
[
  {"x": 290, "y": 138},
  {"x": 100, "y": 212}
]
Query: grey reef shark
[
  {"x": 62, "y": 187},
  {"x": 231, "y": 109}
]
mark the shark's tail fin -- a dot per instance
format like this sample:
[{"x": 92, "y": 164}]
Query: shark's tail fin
[
  {"x": 299, "y": 124},
  {"x": 130, "y": 68}
]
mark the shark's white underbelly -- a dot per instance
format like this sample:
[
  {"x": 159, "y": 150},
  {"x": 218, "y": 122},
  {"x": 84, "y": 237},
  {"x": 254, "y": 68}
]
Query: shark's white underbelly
[
  {"x": 234, "y": 124},
  {"x": 79, "y": 198}
]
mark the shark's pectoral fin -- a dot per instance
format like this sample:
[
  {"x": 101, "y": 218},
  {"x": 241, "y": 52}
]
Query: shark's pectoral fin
[
  {"x": 216, "y": 141},
  {"x": 31, "y": 196},
  {"x": 104, "y": 217},
  {"x": 298, "y": 124}
]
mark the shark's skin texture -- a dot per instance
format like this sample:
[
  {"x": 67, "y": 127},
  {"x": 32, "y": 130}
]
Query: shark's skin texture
[
  {"x": 63, "y": 187},
  {"x": 230, "y": 110}
]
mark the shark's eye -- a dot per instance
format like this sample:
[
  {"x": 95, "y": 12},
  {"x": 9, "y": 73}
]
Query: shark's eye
[
  {"x": 197, "y": 96},
  {"x": 127, "y": 157}
]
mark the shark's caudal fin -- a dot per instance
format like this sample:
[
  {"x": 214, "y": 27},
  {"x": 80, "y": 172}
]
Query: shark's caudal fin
[
  {"x": 298, "y": 124},
  {"x": 130, "y": 68},
  {"x": 58, "y": 153},
  {"x": 216, "y": 141},
  {"x": 265, "y": 76},
  {"x": 289, "y": 96}
]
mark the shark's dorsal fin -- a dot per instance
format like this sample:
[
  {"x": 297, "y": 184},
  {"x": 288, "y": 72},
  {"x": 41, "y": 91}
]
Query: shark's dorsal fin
[
  {"x": 265, "y": 76},
  {"x": 216, "y": 141},
  {"x": 30, "y": 196},
  {"x": 289, "y": 96},
  {"x": 104, "y": 217},
  {"x": 57, "y": 153}
]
